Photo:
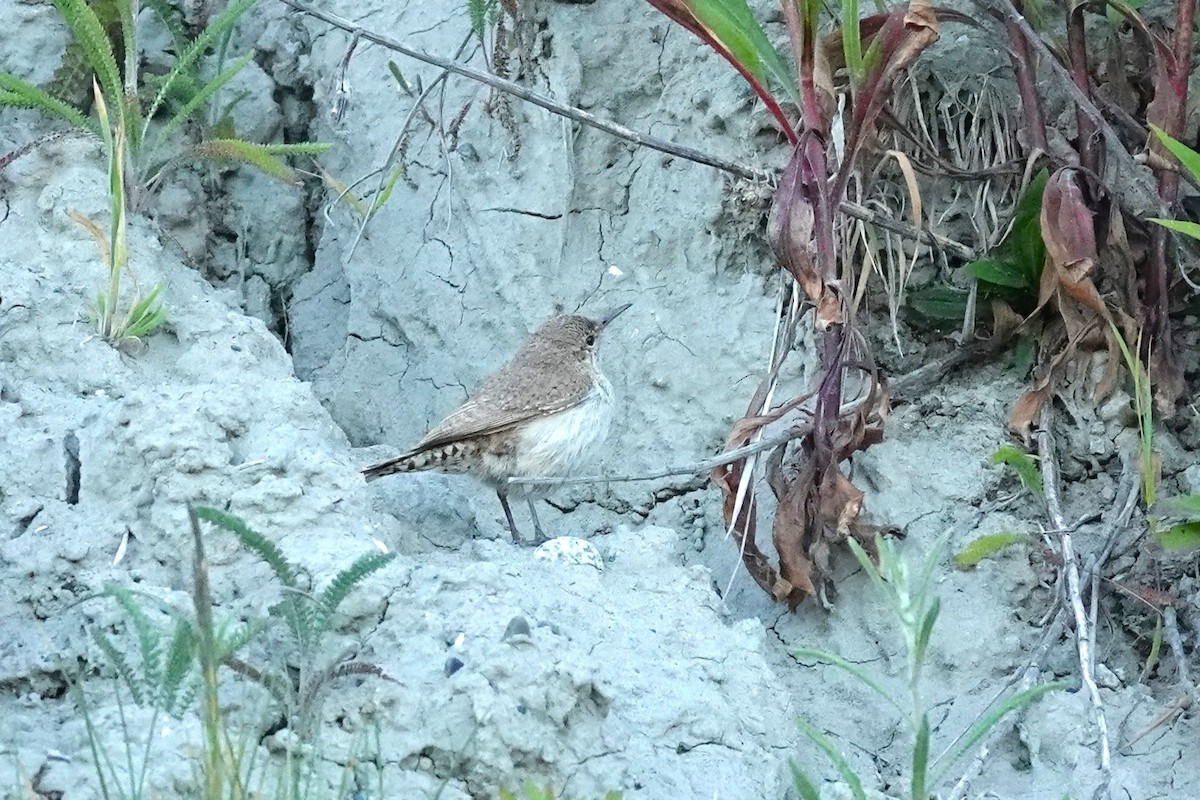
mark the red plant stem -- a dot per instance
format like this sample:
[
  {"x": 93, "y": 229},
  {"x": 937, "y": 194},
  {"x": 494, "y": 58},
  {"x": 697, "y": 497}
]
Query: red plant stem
[
  {"x": 815, "y": 177},
  {"x": 810, "y": 103},
  {"x": 795, "y": 34},
  {"x": 869, "y": 99},
  {"x": 829, "y": 397},
  {"x": 1031, "y": 102},
  {"x": 1155, "y": 282},
  {"x": 1089, "y": 154}
]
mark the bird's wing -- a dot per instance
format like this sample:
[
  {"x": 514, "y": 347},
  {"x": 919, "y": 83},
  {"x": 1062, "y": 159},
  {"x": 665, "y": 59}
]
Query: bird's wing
[{"x": 495, "y": 407}]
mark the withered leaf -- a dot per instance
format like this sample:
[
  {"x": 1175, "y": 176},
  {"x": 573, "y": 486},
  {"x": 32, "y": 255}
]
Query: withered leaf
[
  {"x": 791, "y": 228},
  {"x": 1025, "y": 412}
]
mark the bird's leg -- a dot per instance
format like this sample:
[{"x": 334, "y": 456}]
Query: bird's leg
[
  {"x": 539, "y": 534},
  {"x": 512, "y": 526}
]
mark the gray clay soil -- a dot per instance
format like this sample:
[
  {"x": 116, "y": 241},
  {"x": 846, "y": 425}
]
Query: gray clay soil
[{"x": 294, "y": 357}]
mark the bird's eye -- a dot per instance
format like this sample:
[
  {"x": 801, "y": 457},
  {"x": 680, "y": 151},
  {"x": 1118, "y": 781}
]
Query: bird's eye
[{"x": 591, "y": 339}]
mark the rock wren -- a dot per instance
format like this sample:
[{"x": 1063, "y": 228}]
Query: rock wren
[{"x": 537, "y": 416}]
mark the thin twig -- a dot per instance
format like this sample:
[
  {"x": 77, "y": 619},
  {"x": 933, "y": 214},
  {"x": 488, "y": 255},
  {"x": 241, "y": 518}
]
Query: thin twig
[
  {"x": 1171, "y": 631},
  {"x": 341, "y": 91},
  {"x": 1083, "y": 641},
  {"x": 383, "y": 173},
  {"x": 1188, "y": 696},
  {"x": 699, "y": 468},
  {"x": 914, "y": 385},
  {"x": 519, "y": 91},
  {"x": 620, "y": 131},
  {"x": 905, "y": 230},
  {"x": 1175, "y": 707}
]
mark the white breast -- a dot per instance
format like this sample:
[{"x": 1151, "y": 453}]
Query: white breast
[{"x": 558, "y": 444}]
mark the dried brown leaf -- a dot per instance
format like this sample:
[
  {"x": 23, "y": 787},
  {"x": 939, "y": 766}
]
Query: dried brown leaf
[
  {"x": 791, "y": 228},
  {"x": 791, "y": 535},
  {"x": 1025, "y": 413},
  {"x": 828, "y": 311},
  {"x": 1067, "y": 227},
  {"x": 1005, "y": 321},
  {"x": 841, "y": 502}
]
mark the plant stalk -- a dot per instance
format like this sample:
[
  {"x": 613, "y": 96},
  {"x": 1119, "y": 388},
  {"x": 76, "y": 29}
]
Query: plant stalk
[{"x": 1155, "y": 280}]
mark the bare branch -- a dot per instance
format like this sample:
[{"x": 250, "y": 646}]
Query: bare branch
[
  {"x": 1074, "y": 598},
  {"x": 698, "y": 468}
]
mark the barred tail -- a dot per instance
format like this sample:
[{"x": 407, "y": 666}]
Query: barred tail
[{"x": 405, "y": 463}]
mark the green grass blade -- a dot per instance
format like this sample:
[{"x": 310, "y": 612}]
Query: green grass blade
[
  {"x": 920, "y": 761},
  {"x": 99, "y": 754},
  {"x": 732, "y": 24},
  {"x": 263, "y": 547},
  {"x": 839, "y": 761},
  {"x": 1184, "y": 536},
  {"x": 170, "y": 18},
  {"x": 117, "y": 660},
  {"x": 853, "y": 669},
  {"x": 869, "y": 567},
  {"x": 217, "y": 27},
  {"x": 939, "y": 305},
  {"x": 129, "y": 45},
  {"x": 988, "y": 721},
  {"x": 923, "y": 635},
  {"x": 145, "y": 316},
  {"x": 230, "y": 642},
  {"x": 1144, "y": 407},
  {"x": 1155, "y": 649},
  {"x": 999, "y": 273},
  {"x": 149, "y": 639},
  {"x": 249, "y": 153},
  {"x": 142, "y": 325},
  {"x": 852, "y": 39},
  {"x": 201, "y": 97},
  {"x": 1188, "y": 157},
  {"x": 804, "y": 786},
  {"x": 1179, "y": 226},
  {"x": 986, "y": 546},
  {"x": 17, "y": 93},
  {"x": 344, "y": 582},
  {"x": 399, "y": 77},
  {"x": 1023, "y": 464},
  {"x": 180, "y": 657},
  {"x": 388, "y": 188},
  {"x": 296, "y": 148},
  {"x": 97, "y": 49},
  {"x": 478, "y": 12}
]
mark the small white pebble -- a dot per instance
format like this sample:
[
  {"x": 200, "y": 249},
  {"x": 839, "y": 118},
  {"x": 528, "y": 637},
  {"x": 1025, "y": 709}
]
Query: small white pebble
[
  {"x": 570, "y": 550},
  {"x": 615, "y": 271}
]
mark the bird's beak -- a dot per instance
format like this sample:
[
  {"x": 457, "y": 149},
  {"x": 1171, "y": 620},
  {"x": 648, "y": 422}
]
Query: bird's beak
[{"x": 609, "y": 316}]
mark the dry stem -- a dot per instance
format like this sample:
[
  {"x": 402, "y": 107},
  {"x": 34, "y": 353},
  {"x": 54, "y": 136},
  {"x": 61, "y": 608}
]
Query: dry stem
[{"x": 1074, "y": 597}]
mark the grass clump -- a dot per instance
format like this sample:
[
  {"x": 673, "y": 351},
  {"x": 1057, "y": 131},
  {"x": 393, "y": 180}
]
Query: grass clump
[
  {"x": 139, "y": 121},
  {"x": 175, "y": 670}
]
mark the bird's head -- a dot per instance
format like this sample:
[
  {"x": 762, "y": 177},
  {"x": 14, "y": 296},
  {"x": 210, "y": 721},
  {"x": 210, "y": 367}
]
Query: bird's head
[{"x": 577, "y": 334}]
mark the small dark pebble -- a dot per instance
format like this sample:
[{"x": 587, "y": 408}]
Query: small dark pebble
[
  {"x": 517, "y": 626},
  {"x": 453, "y": 665}
]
